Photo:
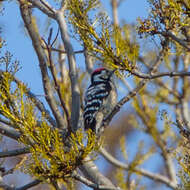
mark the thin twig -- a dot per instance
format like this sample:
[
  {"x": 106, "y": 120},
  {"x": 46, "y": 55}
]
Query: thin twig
[
  {"x": 170, "y": 90},
  {"x": 153, "y": 176},
  {"x": 61, "y": 51},
  {"x": 185, "y": 93},
  {"x": 175, "y": 38},
  {"x": 45, "y": 3},
  {"x": 39, "y": 104},
  {"x": 44, "y": 8},
  {"x": 125, "y": 99},
  {"x": 185, "y": 132},
  {"x": 53, "y": 40},
  {"x": 158, "y": 75},
  {"x": 57, "y": 86}
]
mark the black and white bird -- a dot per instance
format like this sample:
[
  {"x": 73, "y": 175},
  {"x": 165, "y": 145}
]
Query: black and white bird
[{"x": 100, "y": 98}]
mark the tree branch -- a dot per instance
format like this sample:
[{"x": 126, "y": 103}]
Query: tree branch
[
  {"x": 117, "y": 163},
  {"x": 175, "y": 38},
  {"x": 36, "y": 40},
  {"x": 75, "y": 111},
  {"x": 125, "y": 99},
  {"x": 36, "y": 101},
  {"x": 158, "y": 75},
  {"x": 90, "y": 170},
  {"x": 183, "y": 131},
  {"x": 184, "y": 99},
  {"x": 41, "y": 107},
  {"x": 44, "y": 7},
  {"x": 114, "y": 4},
  {"x": 62, "y": 51},
  {"x": 9, "y": 132},
  {"x": 5, "y": 186},
  {"x": 15, "y": 152},
  {"x": 57, "y": 86},
  {"x": 88, "y": 62},
  {"x": 91, "y": 184},
  {"x": 29, "y": 185},
  {"x": 132, "y": 93},
  {"x": 4, "y": 121}
]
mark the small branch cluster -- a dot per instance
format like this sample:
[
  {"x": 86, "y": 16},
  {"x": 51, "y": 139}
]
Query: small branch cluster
[{"x": 170, "y": 19}]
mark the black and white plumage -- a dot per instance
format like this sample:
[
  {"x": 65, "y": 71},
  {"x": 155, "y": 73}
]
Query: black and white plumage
[{"x": 100, "y": 98}]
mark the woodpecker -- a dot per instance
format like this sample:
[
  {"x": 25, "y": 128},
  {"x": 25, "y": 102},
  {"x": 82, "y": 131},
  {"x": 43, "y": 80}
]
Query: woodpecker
[{"x": 100, "y": 98}]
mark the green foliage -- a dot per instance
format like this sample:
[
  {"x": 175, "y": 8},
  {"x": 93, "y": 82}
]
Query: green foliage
[
  {"x": 111, "y": 45},
  {"x": 53, "y": 159},
  {"x": 65, "y": 89},
  {"x": 124, "y": 177},
  {"x": 141, "y": 156},
  {"x": 7, "y": 63},
  {"x": 50, "y": 157},
  {"x": 2, "y": 43},
  {"x": 126, "y": 50},
  {"x": 120, "y": 177},
  {"x": 183, "y": 158},
  {"x": 12, "y": 102},
  {"x": 167, "y": 15},
  {"x": 147, "y": 115}
]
